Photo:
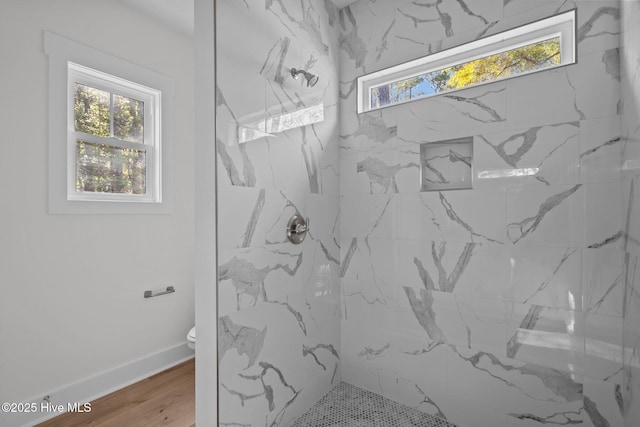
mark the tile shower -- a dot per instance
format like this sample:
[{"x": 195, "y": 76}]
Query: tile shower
[{"x": 514, "y": 303}]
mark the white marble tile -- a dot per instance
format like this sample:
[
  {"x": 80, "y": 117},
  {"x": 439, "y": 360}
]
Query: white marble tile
[
  {"x": 631, "y": 220},
  {"x": 389, "y": 368},
  {"x": 436, "y": 314},
  {"x": 412, "y": 44},
  {"x": 347, "y": 105},
  {"x": 237, "y": 17},
  {"x": 391, "y": 170},
  {"x": 421, "y": 24},
  {"x": 256, "y": 381},
  {"x": 325, "y": 354},
  {"x": 631, "y": 147},
  {"x": 304, "y": 150},
  {"x": 598, "y": 22},
  {"x": 550, "y": 337},
  {"x": 308, "y": 397},
  {"x": 456, "y": 114},
  {"x": 487, "y": 274},
  {"x": 428, "y": 389},
  {"x": 602, "y": 99},
  {"x": 420, "y": 217},
  {"x": 446, "y": 318},
  {"x": 351, "y": 181},
  {"x": 379, "y": 376},
  {"x": 418, "y": 326},
  {"x": 598, "y": 26},
  {"x": 521, "y": 392},
  {"x": 603, "y": 347},
  {"x": 528, "y": 99},
  {"x": 601, "y": 403},
  {"x": 603, "y": 213},
  {"x": 305, "y": 22},
  {"x": 469, "y": 269},
  {"x": 373, "y": 349},
  {"x": 382, "y": 258},
  {"x": 540, "y": 154},
  {"x": 371, "y": 215},
  {"x": 631, "y": 381},
  {"x": 375, "y": 8},
  {"x": 328, "y": 167},
  {"x": 348, "y": 345},
  {"x": 255, "y": 217},
  {"x": 600, "y": 150},
  {"x": 473, "y": 412},
  {"x": 546, "y": 216},
  {"x": 240, "y": 107},
  {"x": 521, "y": 7},
  {"x": 572, "y": 89},
  {"x": 241, "y": 217},
  {"x": 243, "y": 165},
  {"x": 368, "y": 35},
  {"x": 516, "y": 13},
  {"x": 323, "y": 212},
  {"x": 248, "y": 273},
  {"x": 279, "y": 164},
  {"x": 365, "y": 301},
  {"x": 368, "y": 130},
  {"x": 631, "y": 299},
  {"x": 459, "y": 216},
  {"x": 603, "y": 280},
  {"x": 480, "y": 324},
  {"x": 631, "y": 397},
  {"x": 546, "y": 276},
  {"x": 320, "y": 274}
]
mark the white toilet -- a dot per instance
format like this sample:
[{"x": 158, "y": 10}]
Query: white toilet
[{"x": 191, "y": 338}]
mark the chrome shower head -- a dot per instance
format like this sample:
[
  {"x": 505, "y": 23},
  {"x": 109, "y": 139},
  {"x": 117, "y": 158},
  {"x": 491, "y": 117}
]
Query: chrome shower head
[{"x": 312, "y": 79}]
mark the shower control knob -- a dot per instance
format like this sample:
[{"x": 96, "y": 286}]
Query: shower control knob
[{"x": 297, "y": 229}]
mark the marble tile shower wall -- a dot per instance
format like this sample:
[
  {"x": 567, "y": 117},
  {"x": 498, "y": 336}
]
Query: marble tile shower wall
[
  {"x": 502, "y": 305},
  {"x": 278, "y": 302},
  {"x": 630, "y": 133}
]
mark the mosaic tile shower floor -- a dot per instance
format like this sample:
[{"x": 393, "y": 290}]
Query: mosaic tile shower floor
[{"x": 349, "y": 406}]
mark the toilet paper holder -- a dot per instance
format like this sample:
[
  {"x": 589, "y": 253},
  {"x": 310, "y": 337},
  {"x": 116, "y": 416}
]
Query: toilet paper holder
[{"x": 168, "y": 290}]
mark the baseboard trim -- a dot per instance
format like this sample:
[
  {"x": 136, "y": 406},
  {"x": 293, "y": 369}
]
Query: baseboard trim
[{"x": 101, "y": 384}]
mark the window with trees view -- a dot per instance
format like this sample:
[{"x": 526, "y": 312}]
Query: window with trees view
[
  {"x": 110, "y": 132},
  {"x": 541, "y": 45},
  {"x": 113, "y": 140}
]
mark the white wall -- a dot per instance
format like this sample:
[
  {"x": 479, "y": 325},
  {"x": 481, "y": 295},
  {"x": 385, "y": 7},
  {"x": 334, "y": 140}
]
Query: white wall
[{"x": 72, "y": 285}]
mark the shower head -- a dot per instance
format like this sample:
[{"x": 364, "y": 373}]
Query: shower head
[{"x": 312, "y": 79}]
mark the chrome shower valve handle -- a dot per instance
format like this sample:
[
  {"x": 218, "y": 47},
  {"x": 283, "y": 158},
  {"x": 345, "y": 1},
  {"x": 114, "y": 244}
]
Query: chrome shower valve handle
[
  {"x": 297, "y": 229},
  {"x": 302, "y": 228}
]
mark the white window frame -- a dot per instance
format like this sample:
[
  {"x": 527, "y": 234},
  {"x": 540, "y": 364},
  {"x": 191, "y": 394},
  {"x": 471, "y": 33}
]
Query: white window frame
[
  {"x": 562, "y": 25},
  {"x": 151, "y": 98},
  {"x": 70, "y": 63}
]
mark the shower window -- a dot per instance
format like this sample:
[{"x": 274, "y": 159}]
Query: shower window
[{"x": 541, "y": 45}]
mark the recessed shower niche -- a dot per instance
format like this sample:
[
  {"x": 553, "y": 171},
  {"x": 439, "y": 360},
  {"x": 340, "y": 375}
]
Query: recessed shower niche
[{"x": 446, "y": 165}]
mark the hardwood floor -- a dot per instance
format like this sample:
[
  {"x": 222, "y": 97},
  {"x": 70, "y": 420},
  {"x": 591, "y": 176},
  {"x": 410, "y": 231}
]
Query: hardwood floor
[{"x": 165, "y": 399}]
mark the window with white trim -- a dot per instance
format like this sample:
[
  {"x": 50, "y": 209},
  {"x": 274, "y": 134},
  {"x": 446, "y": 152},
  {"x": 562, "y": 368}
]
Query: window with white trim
[
  {"x": 110, "y": 131},
  {"x": 538, "y": 46},
  {"x": 114, "y": 142}
]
